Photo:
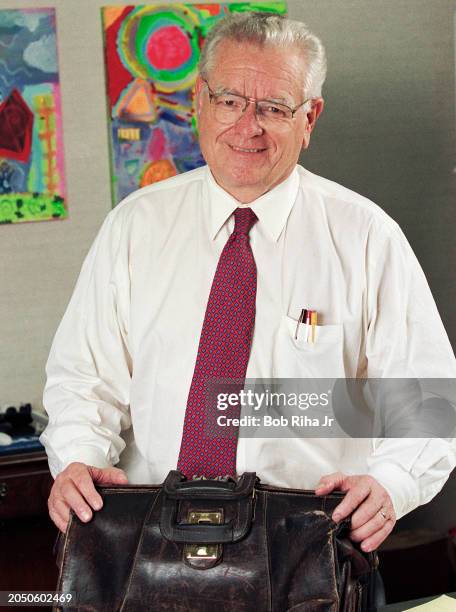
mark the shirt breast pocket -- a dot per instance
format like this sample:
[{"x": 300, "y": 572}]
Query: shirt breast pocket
[{"x": 299, "y": 357}]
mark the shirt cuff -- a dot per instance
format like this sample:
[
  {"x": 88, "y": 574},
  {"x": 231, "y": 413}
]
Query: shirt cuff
[
  {"x": 399, "y": 484},
  {"x": 88, "y": 455}
]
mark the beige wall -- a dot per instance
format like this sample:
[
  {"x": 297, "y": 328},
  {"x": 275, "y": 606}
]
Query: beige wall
[{"x": 40, "y": 261}]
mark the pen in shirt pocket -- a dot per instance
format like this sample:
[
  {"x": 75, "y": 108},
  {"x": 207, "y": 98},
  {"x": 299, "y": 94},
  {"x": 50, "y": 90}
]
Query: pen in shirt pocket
[{"x": 310, "y": 319}]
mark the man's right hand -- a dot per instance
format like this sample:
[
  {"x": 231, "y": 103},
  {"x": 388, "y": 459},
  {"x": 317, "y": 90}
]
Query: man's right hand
[{"x": 74, "y": 489}]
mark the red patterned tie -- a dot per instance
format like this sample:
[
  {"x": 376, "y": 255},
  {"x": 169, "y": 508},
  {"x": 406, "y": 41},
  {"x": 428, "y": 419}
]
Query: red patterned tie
[{"x": 223, "y": 353}]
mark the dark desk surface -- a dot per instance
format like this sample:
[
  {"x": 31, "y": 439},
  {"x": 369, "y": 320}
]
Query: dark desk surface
[{"x": 406, "y": 605}]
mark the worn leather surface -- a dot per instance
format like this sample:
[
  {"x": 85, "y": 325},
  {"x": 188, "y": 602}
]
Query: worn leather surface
[{"x": 292, "y": 558}]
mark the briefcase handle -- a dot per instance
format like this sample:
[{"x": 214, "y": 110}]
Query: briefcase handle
[{"x": 176, "y": 488}]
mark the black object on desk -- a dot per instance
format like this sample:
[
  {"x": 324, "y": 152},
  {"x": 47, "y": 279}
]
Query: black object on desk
[{"x": 24, "y": 427}]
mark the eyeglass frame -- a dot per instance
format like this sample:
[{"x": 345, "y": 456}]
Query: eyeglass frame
[{"x": 255, "y": 101}]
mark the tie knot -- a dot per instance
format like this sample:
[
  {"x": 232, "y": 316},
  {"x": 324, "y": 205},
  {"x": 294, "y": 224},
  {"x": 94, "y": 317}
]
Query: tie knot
[{"x": 244, "y": 218}]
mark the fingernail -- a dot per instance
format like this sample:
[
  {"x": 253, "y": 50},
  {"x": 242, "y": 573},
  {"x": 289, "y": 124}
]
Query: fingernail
[
  {"x": 336, "y": 517},
  {"x": 97, "y": 505},
  {"x": 366, "y": 548},
  {"x": 85, "y": 516}
]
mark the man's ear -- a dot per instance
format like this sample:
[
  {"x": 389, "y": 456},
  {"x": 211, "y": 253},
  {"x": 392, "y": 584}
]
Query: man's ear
[{"x": 312, "y": 115}]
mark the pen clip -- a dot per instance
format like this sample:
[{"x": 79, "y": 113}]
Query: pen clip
[{"x": 302, "y": 317}]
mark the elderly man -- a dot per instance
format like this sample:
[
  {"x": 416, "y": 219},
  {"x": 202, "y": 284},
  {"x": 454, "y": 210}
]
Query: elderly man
[{"x": 205, "y": 275}]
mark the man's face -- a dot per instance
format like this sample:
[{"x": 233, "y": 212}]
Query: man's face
[{"x": 246, "y": 158}]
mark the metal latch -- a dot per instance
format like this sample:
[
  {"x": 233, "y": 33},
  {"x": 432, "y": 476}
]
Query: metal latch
[{"x": 197, "y": 554}]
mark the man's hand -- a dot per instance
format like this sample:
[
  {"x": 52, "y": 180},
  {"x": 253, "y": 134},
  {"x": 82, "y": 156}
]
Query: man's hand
[
  {"x": 73, "y": 488},
  {"x": 373, "y": 516}
]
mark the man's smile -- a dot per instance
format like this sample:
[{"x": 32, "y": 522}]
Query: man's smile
[{"x": 246, "y": 149}]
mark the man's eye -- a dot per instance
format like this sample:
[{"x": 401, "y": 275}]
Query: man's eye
[
  {"x": 270, "y": 109},
  {"x": 228, "y": 102}
]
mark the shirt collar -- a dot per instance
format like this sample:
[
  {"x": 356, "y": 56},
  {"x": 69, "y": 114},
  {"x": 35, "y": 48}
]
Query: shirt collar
[{"x": 272, "y": 208}]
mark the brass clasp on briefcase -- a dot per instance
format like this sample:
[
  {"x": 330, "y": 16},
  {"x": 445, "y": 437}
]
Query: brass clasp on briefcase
[
  {"x": 207, "y": 552},
  {"x": 205, "y": 514}
]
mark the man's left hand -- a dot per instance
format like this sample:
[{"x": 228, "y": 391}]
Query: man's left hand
[{"x": 373, "y": 515}]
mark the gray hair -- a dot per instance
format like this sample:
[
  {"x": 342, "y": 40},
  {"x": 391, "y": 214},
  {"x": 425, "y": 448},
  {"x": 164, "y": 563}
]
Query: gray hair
[{"x": 269, "y": 29}]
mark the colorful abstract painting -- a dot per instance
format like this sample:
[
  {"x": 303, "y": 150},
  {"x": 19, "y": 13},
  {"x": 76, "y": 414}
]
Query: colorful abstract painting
[
  {"x": 151, "y": 56},
  {"x": 32, "y": 178}
]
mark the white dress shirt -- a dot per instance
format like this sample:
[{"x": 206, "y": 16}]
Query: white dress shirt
[{"x": 122, "y": 360}]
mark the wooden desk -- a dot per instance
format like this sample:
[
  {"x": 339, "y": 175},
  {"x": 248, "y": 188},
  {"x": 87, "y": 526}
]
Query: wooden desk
[{"x": 27, "y": 534}]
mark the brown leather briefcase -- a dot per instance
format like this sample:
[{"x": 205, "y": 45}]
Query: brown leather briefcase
[{"x": 214, "y": 546}]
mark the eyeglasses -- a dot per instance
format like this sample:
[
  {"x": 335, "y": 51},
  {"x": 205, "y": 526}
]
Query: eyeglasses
[{"x": 229, "y": 107}]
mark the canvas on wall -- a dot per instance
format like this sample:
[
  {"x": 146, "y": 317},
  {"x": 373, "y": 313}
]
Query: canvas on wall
[
  {"x": 151, "y": 59},
  {"x": 32, "y": 178}
]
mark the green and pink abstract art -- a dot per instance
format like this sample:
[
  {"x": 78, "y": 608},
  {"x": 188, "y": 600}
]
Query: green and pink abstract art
[
  {"x": 32, "y": 178},
  {"x": 151, "y": 58}
]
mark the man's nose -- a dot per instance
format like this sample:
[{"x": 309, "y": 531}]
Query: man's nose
[{"x": 248, "y": 123}]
